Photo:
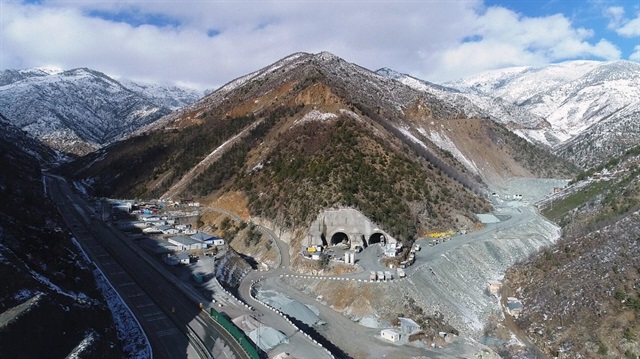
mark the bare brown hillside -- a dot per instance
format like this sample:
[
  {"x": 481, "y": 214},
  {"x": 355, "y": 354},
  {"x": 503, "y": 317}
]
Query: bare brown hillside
[{"x": 491, "y": 151}]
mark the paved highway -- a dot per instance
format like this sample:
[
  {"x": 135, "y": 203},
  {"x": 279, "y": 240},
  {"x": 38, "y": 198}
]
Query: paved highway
[{"x": 172, "y": 320}]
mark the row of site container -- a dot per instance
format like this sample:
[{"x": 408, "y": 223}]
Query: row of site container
[{"x": 385, "y": 275}]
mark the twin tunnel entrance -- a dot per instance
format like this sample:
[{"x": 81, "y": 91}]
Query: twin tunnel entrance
[{"x": 341, "y": 237}]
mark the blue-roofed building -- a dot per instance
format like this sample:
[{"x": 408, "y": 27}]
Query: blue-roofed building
[{"x": 207, "y": 239}]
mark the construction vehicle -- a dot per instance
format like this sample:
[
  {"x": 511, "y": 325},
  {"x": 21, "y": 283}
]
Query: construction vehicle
[{"x": 372, "y": 275}]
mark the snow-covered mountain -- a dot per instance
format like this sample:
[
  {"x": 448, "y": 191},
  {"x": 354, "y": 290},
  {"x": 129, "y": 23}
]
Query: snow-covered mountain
[
  {"x": 609, "y": 137},
  {"x": 475, "y": 104},
  {"x": 79, "y": 110},
  {"x": 575, "y": 105},
  {"x": 517, "y": 84},
  {"x": 591, "y": 106}
]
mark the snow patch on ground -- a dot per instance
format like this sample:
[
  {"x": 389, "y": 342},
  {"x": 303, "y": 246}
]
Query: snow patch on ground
[
  {"x": 206, "y": 161},
  {"x": 84, "y": 254},
  {"x": 81, "y": 186},
  {"x": 89, "y": 338},
  {"x": 445, "y": 143},
  {"x": 315, "y": 115},
  {"x": 135, "y": 343},
  {"x": 350, "y": 114},
  {"x": 78, "y": 297},
  {"x": 148, "y": 111},
  {"x": 23, "y": 294},
  {"x": 286, "y": 64},
  {"x": 515, "y": 341}
]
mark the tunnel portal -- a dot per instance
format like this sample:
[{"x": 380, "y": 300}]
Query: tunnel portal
[{"x": 339, "y": 237}]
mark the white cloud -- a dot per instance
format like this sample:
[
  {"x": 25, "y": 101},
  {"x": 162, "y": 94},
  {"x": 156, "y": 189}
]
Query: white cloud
[
  {"x": 615, "y": 14},
  {"x": 426, "y": 39},
  {"x": 509, "y": 39},
  {"x": 620, "y": 24},
  {"x": 635, "y": 56},
  {"x": 631, "y": 28}
]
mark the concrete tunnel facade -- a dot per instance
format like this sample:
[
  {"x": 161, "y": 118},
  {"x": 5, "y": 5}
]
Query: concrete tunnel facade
[{"x": 348, "y": 226}]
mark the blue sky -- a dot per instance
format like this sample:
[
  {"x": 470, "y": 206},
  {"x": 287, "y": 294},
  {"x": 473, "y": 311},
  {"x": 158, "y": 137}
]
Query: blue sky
[
  {"x": 204, "y": 44},
  {"x": 589, "y": 14}
]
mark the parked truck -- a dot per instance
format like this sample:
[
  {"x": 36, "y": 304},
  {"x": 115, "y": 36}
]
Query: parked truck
[
  {"x": 372, "y": 275},
  {"x": 388, "y": 275},
  {"x": 380, "y": 275}
]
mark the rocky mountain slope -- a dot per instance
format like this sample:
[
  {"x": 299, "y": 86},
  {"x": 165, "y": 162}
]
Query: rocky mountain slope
[
  {"x": 591, "y": 106},
  {"x": 582, "y": 296},
  {"x": 312, "y": 132},
  {"x": 475, "y": 104},
  {"x": 79, "y": 110},
  {"x": 610, "y": 136},
  {"x": 50, "y": 305}
]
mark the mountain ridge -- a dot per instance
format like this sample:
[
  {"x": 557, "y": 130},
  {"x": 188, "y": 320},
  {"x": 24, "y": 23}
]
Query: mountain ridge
[
  {"x": 79, "y": 110},
  {"x": 579, "y": 100},
  {"x": 432, "y": 149},
  {"x": 519, "y": 120}
]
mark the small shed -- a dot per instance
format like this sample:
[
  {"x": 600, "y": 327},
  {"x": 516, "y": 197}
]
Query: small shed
[
  {"x": 166, "y": 229},
  {"x": 390, "y": 335},
  {"x": 218, "y": 241},
  {"x": 494, "y": 287},
  {"x": 182, "y": 257},
  {"x": 408, "y": 326},
  {"x": 177, "y": 258}
]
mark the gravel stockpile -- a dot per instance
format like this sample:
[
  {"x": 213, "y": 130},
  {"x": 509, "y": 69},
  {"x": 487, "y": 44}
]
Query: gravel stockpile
[{"x": 305, "y": 314}]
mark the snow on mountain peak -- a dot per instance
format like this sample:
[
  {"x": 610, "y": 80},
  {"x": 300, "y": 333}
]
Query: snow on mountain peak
[
  {"x": 517, "y": 84},
  {"x": 591, "y": 106},
  {"x": 50, "y": 70},
  {"x": 80, "y": 109}
]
